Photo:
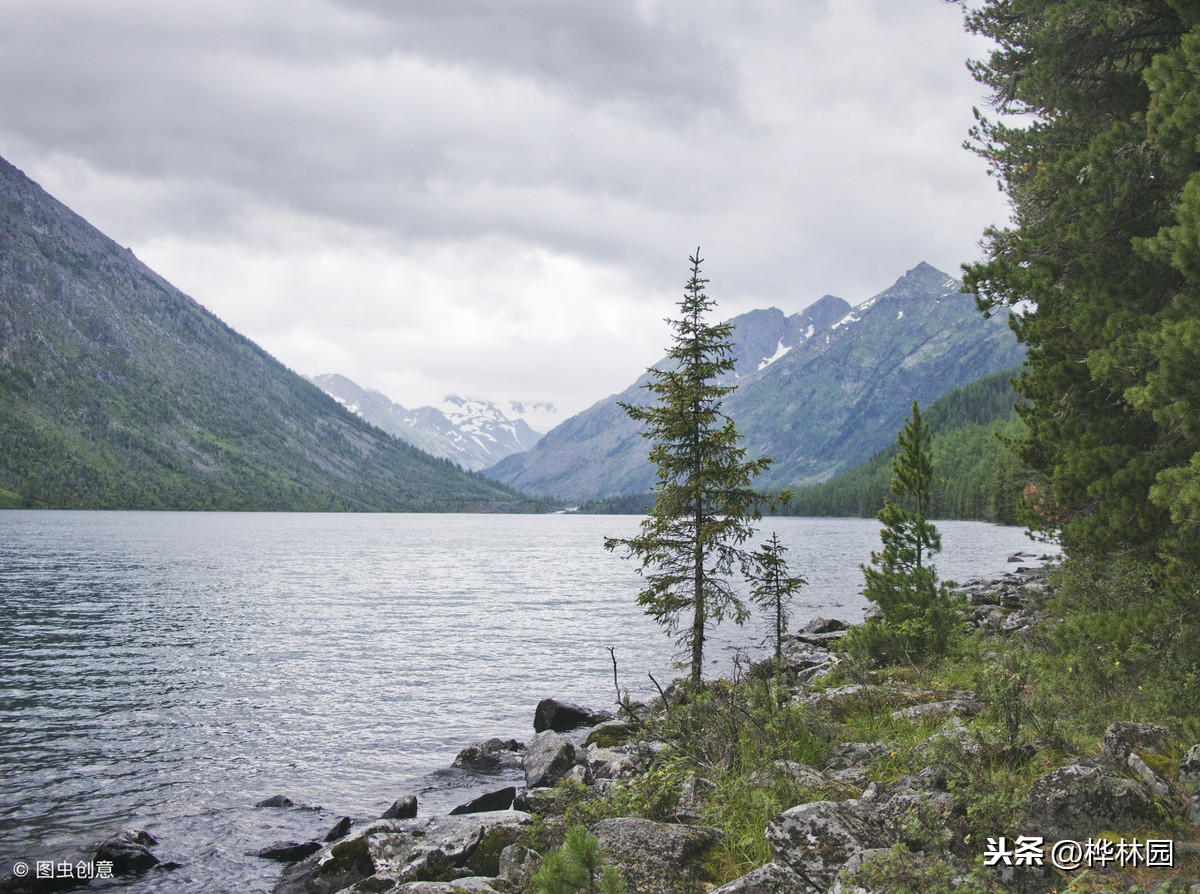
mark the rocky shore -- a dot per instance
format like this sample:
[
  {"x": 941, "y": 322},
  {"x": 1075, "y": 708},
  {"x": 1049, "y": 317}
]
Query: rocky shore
[{"x": 860, "y": 828}]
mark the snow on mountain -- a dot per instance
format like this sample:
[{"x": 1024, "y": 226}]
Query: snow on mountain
[{"x": 473, "y": 433}]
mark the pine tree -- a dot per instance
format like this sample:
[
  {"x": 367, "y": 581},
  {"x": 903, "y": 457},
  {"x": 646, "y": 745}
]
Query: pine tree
[
  {"x": 774, "y": 586},
  {"x": 704, "y": 506},
  {"x": 578, "y": 868},
  {"x": 914, "y": 610}
]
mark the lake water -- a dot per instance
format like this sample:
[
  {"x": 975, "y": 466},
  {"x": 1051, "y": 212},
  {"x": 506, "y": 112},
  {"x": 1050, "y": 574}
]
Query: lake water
[{"x": 166, "y": 671}]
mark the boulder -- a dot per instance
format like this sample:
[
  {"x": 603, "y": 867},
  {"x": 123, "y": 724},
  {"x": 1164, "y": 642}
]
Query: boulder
[
  {"x": 816, "y": 840},
  {"x": 773, "y": 878},
  {"x": 281, "y": 801},
  {"x": 1153, "y": 781},
  {"x": 391, "y": 853},
  {"x": 485, "y": 803},
  {"x": 658, "y": 859},
  {"x": 1081, "y": 799},
  {"x": 1122, "y": 738},
  {"x": 824, "y": 625},
  {"x": 128, "y": 851},
  {"x": 561, "y": 717},
  {"x": 340, "y": 830},
  {"x": 402, "y": 808},
  {"x": 288, "y": 851},
  {"x": 1189, "y": 766},
  {"x": 548, "y": 758},
  {"x": 491, "y": 757},
  {"x": 517, "y": 865},
  {"x": 610, "y": 763}
]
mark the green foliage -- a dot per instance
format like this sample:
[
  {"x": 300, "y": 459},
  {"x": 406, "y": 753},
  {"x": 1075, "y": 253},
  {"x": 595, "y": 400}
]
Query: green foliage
[
  {"x": 578, "y": 866},
  {"x": 977, "y": 476},
  {"x": 773, "y": 587},
  {"x": 1104, "y": 178},
  {"x": 704, "y": 505},
  {"x": 915, "y": 612}
]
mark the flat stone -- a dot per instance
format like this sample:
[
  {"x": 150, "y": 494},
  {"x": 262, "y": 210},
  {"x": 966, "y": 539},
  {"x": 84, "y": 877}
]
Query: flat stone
[{"x": 288, "y": 851}]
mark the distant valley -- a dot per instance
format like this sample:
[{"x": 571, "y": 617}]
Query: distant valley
[{"x": 118, "y": 391}]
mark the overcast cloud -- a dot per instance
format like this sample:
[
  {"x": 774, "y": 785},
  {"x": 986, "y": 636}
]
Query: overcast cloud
[{"x": 497, "y": 198}]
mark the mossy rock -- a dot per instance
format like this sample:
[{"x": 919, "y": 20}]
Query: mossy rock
[
  {"x": 609, "y": 735},
  {"x": 485, "y": 858},
  {"x": 350, "y": 855},
  {"x": 1161, "y": 764}
]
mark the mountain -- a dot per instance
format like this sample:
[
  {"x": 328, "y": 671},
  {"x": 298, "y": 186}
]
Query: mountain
[
  {"x": 117, "y": 391},
  {"x": 819, "y": 391},
  {"x": 474, "y": 433}
]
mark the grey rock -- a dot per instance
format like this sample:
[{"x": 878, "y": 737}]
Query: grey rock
[
  {"x": 402, "y": 808},
  {"x": 340, "y": 830},
  {"x": 610, "y": 763},
  {"x": 815, "y": 840},
  {"x": 824, "y": 625},
  {"x": 1153, "y": 781},
  {"x": 395, "y": 852},
  {"x": 1189, "y": 766},
  {"x": 517, "y": 865},
  {"x": 1080, "y": 799},
  {"x": 548, "y": 758},
  {"x": 1123, "y": 737},
  {"x": 491, "y": 757},
  {"x": 288, "y": 851},
  {"x": 276, "y": 801},
  {"x": 128, "y": 851},
  {"x": 485, "y": 803},
  {"x": 773, "y": 878},
  {"x": 955, "y": 706},
  {"x": 561, "y": 717},
  {"x": 854, "y": 754},
  {"x": 657, "y": 859}
]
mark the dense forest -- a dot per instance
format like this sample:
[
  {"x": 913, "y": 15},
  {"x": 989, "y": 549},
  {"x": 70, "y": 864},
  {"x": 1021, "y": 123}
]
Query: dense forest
[{"x": 978, "y": 477}]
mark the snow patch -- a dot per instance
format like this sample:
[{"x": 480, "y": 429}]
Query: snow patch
[{"x": 779, "y": 352}]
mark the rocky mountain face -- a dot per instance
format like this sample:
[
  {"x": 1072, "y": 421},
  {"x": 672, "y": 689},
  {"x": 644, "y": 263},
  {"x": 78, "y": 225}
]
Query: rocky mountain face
[
  {"x": 119, "y": 391},
  {"x": 473, "y": 433},
  {"x": 818, "y": 391}
]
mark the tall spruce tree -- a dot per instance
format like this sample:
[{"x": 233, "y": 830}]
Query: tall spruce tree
[
  {"x": 704, "y": 505},
  {"x": 1098, "y": 151}
]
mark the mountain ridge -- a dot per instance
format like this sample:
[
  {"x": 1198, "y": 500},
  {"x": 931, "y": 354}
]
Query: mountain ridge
[
  {"x": 817, "y": 391},
  {"x": 118, "y": 391},
  {"x": 474, "y": 433}
]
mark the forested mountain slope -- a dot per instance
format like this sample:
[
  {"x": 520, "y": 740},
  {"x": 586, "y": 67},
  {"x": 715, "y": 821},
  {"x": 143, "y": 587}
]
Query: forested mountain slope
[
  {"x": 976, "y": 475},
  {"x": 117, "y": 391}
]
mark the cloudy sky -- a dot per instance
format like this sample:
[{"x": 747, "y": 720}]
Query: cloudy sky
[{"x": 497, "y": 198}]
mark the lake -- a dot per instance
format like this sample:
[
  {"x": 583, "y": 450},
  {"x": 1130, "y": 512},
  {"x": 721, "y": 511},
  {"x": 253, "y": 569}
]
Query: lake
[{"x": 167, "y": 671}]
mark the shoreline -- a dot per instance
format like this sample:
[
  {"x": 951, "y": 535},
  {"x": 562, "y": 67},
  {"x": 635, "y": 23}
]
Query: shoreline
[{"x": 1002, "y": 606}]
